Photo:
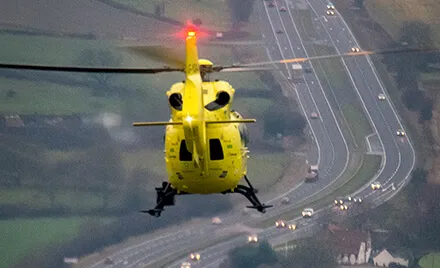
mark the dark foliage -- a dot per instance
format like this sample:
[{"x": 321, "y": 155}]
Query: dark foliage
[
  {"x": 252, "y": 255},
  {"x": 280, "y": 118},
  {"x": 311, "y": 253},
  {"x": 359, "y": 3},
  {"x": 241, "y": 10}
]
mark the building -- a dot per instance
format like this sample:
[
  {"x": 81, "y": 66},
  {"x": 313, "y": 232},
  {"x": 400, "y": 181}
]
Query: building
[
  {"x": 384, "y": 258},
  {"x": 351, "y": 246}
]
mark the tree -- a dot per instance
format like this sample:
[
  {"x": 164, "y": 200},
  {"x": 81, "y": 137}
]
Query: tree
[
  {"x": 241, "y": 10},
  {"x": 106, "y": 168},
  {"x": 252, "y": 256},
  {"x": 311, "y": 253},
  {"x": 419, "y": 178},
  {"x": 395, "y": 265},
  {"x": 426, "y": 111},
  {"x": 359, "y": 3},
  {"x": 101, "y": 58},
  {"x": 414, "y": 99},
  {"x": 280, "y": 118}
]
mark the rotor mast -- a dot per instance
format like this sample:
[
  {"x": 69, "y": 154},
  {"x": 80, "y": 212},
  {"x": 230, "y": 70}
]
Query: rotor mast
[{"x": 194, "y": 125}]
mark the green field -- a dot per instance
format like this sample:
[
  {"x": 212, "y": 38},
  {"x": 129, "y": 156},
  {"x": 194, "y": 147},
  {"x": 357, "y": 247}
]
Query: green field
[
  {"x": 431, "y": 260},
  {"x": 208, "y": 11},
  {"x": 22, "y": 236},
  {"x": 391, "y": 14}
]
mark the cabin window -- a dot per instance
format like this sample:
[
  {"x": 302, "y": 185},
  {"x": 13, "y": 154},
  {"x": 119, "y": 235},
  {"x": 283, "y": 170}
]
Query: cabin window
[
  {"x": 184, "y": 154},
  {"x": 215, "y": 149}
]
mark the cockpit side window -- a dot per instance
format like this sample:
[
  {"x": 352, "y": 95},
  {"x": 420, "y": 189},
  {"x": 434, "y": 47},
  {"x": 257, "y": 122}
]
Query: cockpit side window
[
  {"x": 184, "y": 154},
  {"x": 215, "y": 149}
]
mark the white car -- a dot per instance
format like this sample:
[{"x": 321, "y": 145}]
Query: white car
[
  {"x": 341, "y": 200},
  {"x": 283, "y": 9},
  {"x": 216, "y": 220},
  {"x": 280, "y": 224},
  {"x": 330, "y": 12},
  {"x": 292, "y": 227},
  {"x": 330, "y": 6},
  {"x": 194, "y": 256},
  {"x": 314, "y": 115},
  {"x": 381, "y": 96},
  {"x": 357, "y": 200},
  {"x": 376, "y": 185},
  {"x": 400, "y": 133},
  {"x": 307, "y": 212},
  {"x": 343, "y": 207},
  {"x": 252, "y": 239},
  {"x": 355, "y": 49},
  {"x": 185, "y": 265}
]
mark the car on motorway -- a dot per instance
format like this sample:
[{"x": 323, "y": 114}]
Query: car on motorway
[
  {"x": 252, "y": 239},
  {"x": 400, "y": 133},
  {"x": 355, "y": 49},
  {"x": 108, "y": 261},
  {"x": 330, "y": 12},
  {"x": 270, "y": 4},
  {"x": 194, "y": 256},
  {"x": 285, "y": 200},
  {"x": 357, "y": 200},
  {"x": 283, "y": 9},
  {"x": 280, "y": 224},
  {"x": 185, "y": 265},
  {"x": 343, "y": 207},
  {"x": 381, "y": 96},
  {"x": 307, "y": 212},
  {"x": 292, "y": 226},
  {"x": 216, "y": 220},
  {"x": 341, "y": 200},
  {"x": 376, "y": 185},
  {"x": 330, "y": 6},
  {"x": 279, "y": 31},
  {"x": 314, "y": 115}
]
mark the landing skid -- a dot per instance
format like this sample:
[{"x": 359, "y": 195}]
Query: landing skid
[
  {"x": 249, "y": 193},
  {"x": 166, "y": 197}
]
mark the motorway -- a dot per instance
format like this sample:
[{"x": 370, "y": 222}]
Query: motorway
[
  {"x": 332, "y": 154},
  {"x": 398, "y": 153}
]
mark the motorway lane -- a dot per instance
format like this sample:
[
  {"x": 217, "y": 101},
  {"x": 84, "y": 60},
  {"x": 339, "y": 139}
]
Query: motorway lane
[
  {"x": 334, "y": 150},
  {"x": 399, "y": 152}
]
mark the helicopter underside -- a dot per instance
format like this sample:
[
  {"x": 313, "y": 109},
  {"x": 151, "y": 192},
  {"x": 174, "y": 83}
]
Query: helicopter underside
[{"x": 209, "y": 184}]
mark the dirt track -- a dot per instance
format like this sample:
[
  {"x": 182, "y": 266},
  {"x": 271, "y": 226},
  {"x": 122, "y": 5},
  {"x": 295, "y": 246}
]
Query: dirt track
[{"x": 78, "y": 16}]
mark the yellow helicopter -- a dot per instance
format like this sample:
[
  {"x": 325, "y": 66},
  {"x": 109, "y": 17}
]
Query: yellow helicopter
[{"x": 205, "y": 140}]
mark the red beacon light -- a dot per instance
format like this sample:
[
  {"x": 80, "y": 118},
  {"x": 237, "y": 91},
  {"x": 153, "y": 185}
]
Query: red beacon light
[{"x": 191, "y": 33}]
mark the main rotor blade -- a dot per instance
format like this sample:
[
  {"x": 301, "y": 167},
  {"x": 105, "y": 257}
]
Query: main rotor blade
[
  {"x": 349, "y": 54},
  {"x": 242, "y": 69},
  {"x": 78, "y": 69}
]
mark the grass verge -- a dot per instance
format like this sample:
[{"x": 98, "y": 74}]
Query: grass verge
[{"x": 333, "y": 77}]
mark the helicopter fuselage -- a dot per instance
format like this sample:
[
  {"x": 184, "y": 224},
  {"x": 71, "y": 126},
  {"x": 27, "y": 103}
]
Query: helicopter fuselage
[{"x": 225, "y": 144}]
